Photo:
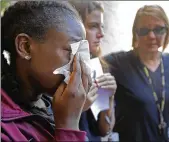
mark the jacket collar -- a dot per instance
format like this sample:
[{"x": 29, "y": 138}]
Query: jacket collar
[{"x": 9, "y": 109}]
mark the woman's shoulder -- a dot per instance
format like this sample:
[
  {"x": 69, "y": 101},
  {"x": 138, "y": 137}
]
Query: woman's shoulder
[{"x": 118, "y": 58}]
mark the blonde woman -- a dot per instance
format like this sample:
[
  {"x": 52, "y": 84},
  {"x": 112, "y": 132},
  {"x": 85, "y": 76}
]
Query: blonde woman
[{"x": 142, "y": 75}]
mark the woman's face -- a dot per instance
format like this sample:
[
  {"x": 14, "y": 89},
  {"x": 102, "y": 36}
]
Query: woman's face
[
  {"x": 53, "y": 53},
  {"x": 151, "y": 33},
  {"x": 94, "y": 30}
]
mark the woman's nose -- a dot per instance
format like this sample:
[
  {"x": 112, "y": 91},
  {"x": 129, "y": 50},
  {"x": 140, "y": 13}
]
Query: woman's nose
[
  {"x": 151, "y": 34},
  {"x": 100, "y": 33}
]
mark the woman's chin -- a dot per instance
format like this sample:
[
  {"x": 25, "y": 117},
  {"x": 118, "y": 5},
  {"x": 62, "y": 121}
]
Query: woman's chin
[
  {"x": 94, "y": 52},
  {"x": 155, "y": 49},
  {"x": 152, "y": 48},
  {"x": 51, "y": 92}
]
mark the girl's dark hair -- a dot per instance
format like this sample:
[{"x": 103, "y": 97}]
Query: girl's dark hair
[{"x": 33, "y": 18}]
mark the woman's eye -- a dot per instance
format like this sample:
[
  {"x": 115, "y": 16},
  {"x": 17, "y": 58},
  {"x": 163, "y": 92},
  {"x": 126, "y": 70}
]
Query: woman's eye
[
  {"x": 93, "y": 26},
  {"x": 68, "y": 49}
]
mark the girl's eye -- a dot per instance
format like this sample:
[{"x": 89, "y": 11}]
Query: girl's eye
[{"x": 68, "y": 48}]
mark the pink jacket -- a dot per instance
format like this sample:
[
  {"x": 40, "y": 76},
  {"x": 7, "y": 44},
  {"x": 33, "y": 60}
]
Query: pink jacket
[{"x": 18, "y": 125}]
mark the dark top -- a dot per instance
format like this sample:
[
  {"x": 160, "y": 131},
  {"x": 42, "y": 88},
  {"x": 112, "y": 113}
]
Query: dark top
[
  {"x": 87, "y": 121},
  {"x": 90, "y": 125},
  {"x": 137, "y": 117}
]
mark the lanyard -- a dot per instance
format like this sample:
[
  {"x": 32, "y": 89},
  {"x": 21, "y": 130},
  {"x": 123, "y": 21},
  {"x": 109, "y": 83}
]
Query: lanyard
[{"x": 160, "y": 107}]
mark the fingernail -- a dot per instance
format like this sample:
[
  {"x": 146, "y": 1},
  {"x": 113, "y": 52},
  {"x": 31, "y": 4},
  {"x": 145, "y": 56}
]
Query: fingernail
[{"x": 96, "y": 83}]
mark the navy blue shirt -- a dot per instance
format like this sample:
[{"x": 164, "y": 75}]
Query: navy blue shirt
[
  {"x": 90, "y": 125},
  {"x": 137, "y": 117}
]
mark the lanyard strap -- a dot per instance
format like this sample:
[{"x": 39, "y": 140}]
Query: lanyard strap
[{"x": 162, "y": 124}]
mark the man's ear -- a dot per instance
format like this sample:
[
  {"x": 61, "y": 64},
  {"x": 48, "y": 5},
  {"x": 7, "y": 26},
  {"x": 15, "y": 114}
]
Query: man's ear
[{"x": 22, "y": 45}]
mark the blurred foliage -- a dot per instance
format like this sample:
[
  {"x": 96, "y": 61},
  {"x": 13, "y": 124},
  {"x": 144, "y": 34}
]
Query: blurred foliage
[{"x": 4, "y": 4}]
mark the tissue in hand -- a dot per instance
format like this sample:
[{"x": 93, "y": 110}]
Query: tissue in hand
[
  {"x": 82, "y": 49},
  {"x": 102, "y": 101}
]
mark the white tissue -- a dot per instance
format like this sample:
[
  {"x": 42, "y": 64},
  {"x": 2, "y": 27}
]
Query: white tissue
[
  {"x": 102, "y": 101},
  {"x": 82, "y": 49}
]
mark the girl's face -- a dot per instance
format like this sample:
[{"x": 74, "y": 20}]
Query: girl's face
[{"x": 94, "y": 30}]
